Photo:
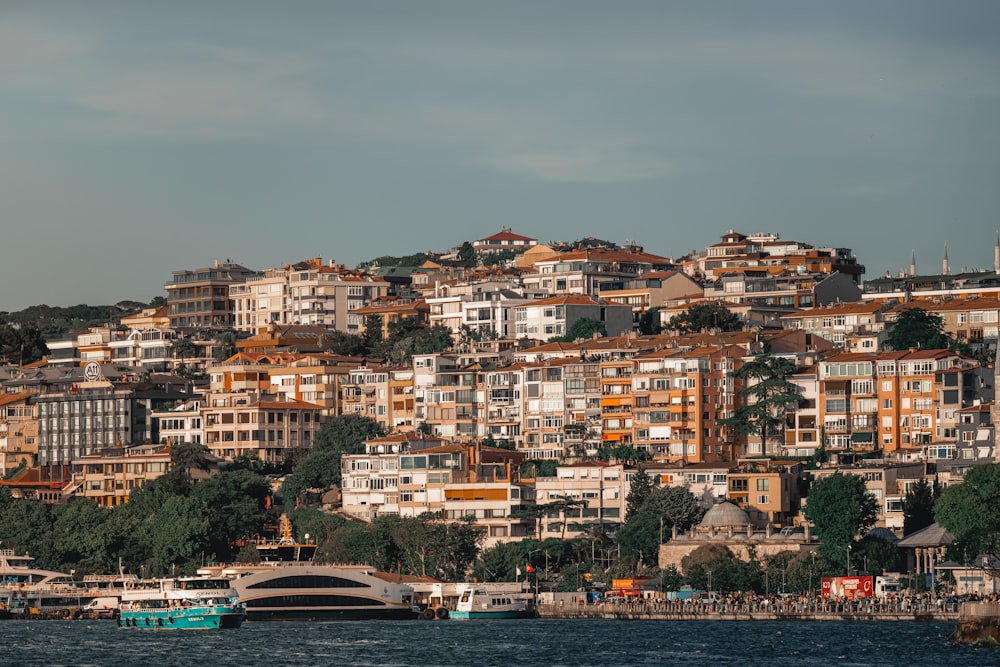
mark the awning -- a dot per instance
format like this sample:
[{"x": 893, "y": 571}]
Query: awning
[{"x": 862, "y": 437}]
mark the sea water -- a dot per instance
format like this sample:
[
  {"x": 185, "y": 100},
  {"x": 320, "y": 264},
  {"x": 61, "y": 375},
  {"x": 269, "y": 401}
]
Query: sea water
[{"x": 540, "y": 642}]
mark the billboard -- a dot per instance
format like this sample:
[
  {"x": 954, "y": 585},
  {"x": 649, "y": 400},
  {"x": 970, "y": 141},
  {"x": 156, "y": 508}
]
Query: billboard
[{"x": 849, "y": 588}]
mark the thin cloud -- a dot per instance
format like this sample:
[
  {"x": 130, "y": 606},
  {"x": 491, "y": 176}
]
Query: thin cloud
[{"x": 592, "y": 166}]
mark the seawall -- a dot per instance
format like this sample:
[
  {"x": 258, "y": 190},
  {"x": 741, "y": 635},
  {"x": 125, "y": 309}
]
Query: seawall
[{"x": 747, "y": 612}]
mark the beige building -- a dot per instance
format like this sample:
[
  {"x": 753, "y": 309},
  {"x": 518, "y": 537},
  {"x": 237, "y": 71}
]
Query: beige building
[
  {"x": 600, "y": 488},
  {"x": 200, "y": 297},
  {"x": 259, "y": 425},
  {"x": 308, "y": 293},
  {"x": 402, "y": 475},
  {"x": 727, "y": 525},
  {"x": 18, "y": 432}
]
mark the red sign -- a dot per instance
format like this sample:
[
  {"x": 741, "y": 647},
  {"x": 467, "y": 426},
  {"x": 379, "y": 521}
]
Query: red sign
[{"x": 849, "y": 588}]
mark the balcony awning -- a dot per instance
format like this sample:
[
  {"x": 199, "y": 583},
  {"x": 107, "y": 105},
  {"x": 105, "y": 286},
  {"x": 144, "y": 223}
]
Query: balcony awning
[{"x": 862, "y": 437}]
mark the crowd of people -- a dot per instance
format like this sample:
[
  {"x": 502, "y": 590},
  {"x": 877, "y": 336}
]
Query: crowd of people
[{"x": 795, "y": 605}]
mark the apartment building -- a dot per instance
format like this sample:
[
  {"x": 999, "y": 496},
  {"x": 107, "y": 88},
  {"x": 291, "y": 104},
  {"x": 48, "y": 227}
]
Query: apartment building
[
  {"x": 504, "y": 411},
  {"x": 583, "y": 271},
  {"x": 259, "y": 425},
  {"x": 972, "y": 321},
  {"x": 95, "y": 413},
  {"x": 458, "y": 482},
  {"x": 381, "y": 393},
  {"x": 181, "y": 422},
  {"x": 598, "y": 490},
  {"x": 804, "y": 430},
  {"x": 449, "y": 394},
  {"x": 786, "y": 290},
  {"x": 484, "y": 306},
  {"x": 306, "y": 293},
  {"x": 389, "y": 309},
  {"x": 18, "y": 432},
  {"x": 678, "y": 397},
  {"x": 200, "y": 297},
  {"x": 853, "y": 327},
  {"x": 708, "y": 482},
  {"x": 555, "y": 316},
  {"x": 894, "y": 401},
  {"x": 767, "y": 250},
  {"x": 767, "y": 492},
  {"x": 651, "y": 290}
]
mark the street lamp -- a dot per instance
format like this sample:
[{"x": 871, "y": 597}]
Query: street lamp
[{"x": 848, "y": 560}]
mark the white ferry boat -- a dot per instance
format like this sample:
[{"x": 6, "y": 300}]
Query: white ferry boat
[
  {"x": 477, "y": 601},
  {"x": 287, "y": 585}
]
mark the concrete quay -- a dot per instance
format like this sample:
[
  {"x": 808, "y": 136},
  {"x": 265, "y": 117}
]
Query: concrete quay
[{"x": 680, "y": 611}]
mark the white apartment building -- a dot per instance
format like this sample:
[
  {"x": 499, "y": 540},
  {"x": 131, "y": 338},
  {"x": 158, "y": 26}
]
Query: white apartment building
[
  {"x": 307, "y": 293},
  {"x": 600, "y": 487}
]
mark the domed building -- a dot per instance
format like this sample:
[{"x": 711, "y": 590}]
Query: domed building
[{"x": 728, "y": 525}]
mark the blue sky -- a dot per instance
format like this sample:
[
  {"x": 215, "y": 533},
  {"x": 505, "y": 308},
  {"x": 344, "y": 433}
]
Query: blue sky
[{"x": 137, "y": 138}]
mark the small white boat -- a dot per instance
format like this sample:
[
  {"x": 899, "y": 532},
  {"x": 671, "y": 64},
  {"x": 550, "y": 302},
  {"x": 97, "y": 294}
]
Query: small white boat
[{"x": 477, "y": 601}]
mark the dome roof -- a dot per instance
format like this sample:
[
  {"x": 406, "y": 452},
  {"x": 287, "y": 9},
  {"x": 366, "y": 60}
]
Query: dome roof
[{"x": 725, "y": 515}]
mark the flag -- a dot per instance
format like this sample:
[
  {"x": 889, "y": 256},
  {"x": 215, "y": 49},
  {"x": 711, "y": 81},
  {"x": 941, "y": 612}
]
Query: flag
[
  {"x": 531, "y": 568},
  {"x": 518, "y": 571}
]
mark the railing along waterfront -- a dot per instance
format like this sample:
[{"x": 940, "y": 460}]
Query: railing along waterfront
[{"x": 764, "y": 609}]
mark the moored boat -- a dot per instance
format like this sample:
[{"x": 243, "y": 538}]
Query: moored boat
[
  {"x": 477, "y": 601},
  {"x": 185, "y": 603},
  {"x": 286, "y": 585}
]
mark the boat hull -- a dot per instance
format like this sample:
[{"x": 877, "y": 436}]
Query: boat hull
[
  {"x": 310, "y": 614},
  {"x": 466, "y": 615},
  {"x": 183, "y": 619}
]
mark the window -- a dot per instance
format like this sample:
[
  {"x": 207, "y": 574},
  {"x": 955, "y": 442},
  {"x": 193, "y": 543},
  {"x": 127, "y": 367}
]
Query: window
[{"x": 762, "y": 484}]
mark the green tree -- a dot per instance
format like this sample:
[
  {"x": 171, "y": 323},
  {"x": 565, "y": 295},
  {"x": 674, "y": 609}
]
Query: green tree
[
  {"x": 649, "y": 322},
  {"x": 500, "y": 562},
  {"x": 918, "y": 507},
  {"x": 21, "y": 345},
  {"x": 705, "y": 317},
  {"x": 466, "y": 255},
  {"x": 235, "y": 501},
  {"x": 765, "y": 398},
  {"x": 80, "y": 537},
  {"x": 971, "y": 512},
  {"x": 714, "y": 567},
  {"x": 321, "y": 467},
  {"x": 917, "y": 328},
  {"x": 638, "y": 493},
  {"x": 346, "y": 344},
  {"x": 179, "y": 535},
  {"x": 186, "y": 457},
  {"x": 649, "y": 527},
  {"x": 583, "y": 329},
  {"x": 840, "y": 508}
]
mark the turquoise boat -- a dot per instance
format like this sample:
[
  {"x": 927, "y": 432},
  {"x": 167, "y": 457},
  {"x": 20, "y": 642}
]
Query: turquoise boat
[
  {"x": 477, "y": 601},
  {"x": 186, "y": 603}
]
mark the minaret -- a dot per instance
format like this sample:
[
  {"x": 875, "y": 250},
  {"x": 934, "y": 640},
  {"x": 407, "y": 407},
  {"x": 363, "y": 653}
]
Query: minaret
[
  {"x": 944, "y": 262},
  {"x": 996, "y": 255},
  {"x": 913, "y": 262}
]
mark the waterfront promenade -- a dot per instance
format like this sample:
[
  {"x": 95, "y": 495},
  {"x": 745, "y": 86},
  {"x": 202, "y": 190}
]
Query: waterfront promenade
[{"x": 758, "y": 610}]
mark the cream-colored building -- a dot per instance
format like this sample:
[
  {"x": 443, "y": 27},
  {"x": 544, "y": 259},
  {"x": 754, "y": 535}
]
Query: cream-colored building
[
  {"x": 308, "y": 293},
  {"x": 601, "y": 489}
]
